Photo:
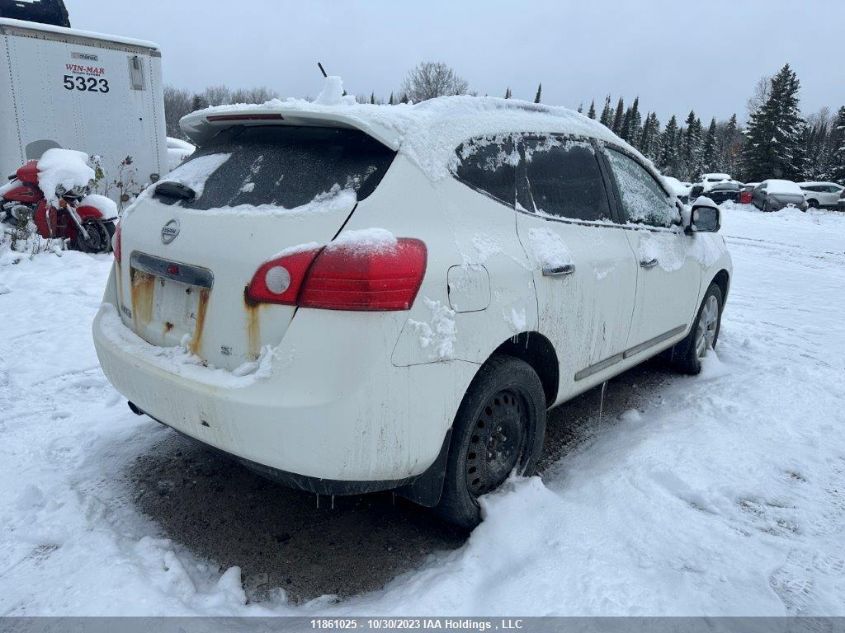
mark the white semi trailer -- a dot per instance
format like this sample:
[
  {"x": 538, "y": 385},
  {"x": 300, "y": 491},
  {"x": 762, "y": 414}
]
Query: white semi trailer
[{"x": 100, "y": 94}]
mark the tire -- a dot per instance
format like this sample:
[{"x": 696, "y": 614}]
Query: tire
[
  {"x": 506, "y": 394},
  {"x": 766, "y": 208},
  {"x": 686, "y": 356},
  {"x": 813, "y": 204},
  {"x": 100, "y": 233}
]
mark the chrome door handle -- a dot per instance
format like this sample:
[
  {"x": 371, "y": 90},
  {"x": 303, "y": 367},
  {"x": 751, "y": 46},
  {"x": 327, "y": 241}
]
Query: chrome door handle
[
  {"x": 558, "y": 271},
  {"x": 648, "y": 263}
]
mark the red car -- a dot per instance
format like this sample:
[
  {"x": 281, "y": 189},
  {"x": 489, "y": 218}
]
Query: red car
[{"x": 745, "y": 192}]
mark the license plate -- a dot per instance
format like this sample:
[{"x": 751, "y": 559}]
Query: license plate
[{"x": 175, "y": 305}]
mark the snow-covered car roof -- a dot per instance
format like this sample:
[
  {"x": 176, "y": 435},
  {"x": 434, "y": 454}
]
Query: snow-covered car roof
[
  {"x": 782, "y": 186},
  {"x": 814, "y": 183},
  {"x": 60, "y": 30},
  {"x": 715, "y": 176},
  {"x": 427, "y": 133}
]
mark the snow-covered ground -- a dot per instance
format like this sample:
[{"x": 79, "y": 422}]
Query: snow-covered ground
[{"x": 723, "y": 495}]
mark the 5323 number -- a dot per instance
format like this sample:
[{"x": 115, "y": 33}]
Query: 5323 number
[{"x": 86, "y": 84}]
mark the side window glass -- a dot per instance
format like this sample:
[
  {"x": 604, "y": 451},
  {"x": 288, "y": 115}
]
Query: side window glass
[
  {"x": 489, "y": 165},
  {"x": 643, "y": 200},
  {"x": 565, "y": 180}
]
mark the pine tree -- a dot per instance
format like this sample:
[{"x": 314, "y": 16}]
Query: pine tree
[
  {"x": 390, "y": 101},
  {"x": 650, "y": 137},
  {"x": 606, "y": 113},
  {"x": 508, "y": 93},
  {"x": 729, "y": 146},
  {"x": 691, "y": 148},
  {"x": 592, "y": 111},
  {"x": 837, "y": 135},
  {"x": 632, "y": 124},
  {"x": 708, "y": 151},
  {"x": 373, "y": 98},
  {"x": 669, "y": 155},
  {"x": 776, "y": 141},
  {"x": 539, "y": 94},
  {"x": 619, "y": 117}
]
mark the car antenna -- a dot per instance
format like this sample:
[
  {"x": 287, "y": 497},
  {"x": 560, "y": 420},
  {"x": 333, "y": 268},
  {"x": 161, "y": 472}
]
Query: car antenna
[{"x": 325, "y": 74}]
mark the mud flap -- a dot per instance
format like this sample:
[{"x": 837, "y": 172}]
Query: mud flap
[{"x": 426, "y": 489}]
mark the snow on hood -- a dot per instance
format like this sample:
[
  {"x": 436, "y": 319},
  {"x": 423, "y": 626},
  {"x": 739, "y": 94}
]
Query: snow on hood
[
  {"x": 65, "y": 167},
  {"x": 427, "y": 132}
]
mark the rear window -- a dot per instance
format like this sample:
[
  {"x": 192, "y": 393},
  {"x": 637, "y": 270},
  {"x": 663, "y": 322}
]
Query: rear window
[{"x": 282, "y": 166}]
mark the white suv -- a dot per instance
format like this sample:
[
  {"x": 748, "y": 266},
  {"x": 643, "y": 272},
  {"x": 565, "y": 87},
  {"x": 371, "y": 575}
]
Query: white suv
[
  {"x": 355, "y": 298},
  {"x": 821, "y": 194}
]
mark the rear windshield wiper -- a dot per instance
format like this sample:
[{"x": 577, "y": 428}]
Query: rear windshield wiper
[{"x": 175, "y": 190}]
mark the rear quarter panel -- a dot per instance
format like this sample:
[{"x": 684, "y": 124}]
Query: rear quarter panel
[{"x": 462, "y": 229}]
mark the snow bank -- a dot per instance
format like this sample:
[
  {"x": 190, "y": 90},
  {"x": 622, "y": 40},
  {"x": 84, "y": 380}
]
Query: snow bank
[{"x": 65, "y": 167}]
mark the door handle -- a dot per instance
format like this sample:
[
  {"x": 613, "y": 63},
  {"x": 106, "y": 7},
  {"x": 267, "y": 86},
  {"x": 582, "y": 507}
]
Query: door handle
[
  {"x": 558, "y": 271},
  {"x": 648, "y": 263}
]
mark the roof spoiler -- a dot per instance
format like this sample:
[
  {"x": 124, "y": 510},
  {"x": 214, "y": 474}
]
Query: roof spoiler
[{"x": 202, "y": 125}]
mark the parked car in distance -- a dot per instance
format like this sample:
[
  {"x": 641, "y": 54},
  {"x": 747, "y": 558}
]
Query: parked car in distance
[
  {"x": 821, "y": 194},
  {"x": 403, "y": 292},
  {"x": 774, "y": 195},
  {"x": 746, "y": 191},
  {"x": 715, "y": 177},
  {"x": 724, "y": 191},
  {"x": 841, "y": 205}
]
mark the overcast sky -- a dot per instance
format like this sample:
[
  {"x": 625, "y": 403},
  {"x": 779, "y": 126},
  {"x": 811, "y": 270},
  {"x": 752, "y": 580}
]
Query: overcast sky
[{"x": 679, "y": 55}]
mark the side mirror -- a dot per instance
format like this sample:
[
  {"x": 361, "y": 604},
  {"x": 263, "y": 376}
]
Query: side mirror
[{"x": 705, "y": 217}]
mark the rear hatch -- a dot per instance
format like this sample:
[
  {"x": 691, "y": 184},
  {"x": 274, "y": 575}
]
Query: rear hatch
[{"x": 190, "y": 247}]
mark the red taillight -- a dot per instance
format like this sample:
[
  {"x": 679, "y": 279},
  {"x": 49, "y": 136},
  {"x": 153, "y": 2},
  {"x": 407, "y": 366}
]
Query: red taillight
[
  {"x": 279, "y": 280},
  {"x": 115, "y": 244},
  {"x": 344, "y": 277}
]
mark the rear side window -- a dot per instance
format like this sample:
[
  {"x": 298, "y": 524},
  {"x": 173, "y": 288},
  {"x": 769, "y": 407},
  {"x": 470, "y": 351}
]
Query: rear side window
[
  {"x": 488, "y": 164},
  {"x": 285, "y": 166},
  {"x": 565, "y": 180},
  {"x": 643, "y": 199}
]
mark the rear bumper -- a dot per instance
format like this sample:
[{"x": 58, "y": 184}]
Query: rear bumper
[
  {"x": 777, "y": 205},
  {"x": 330, "y": 406}
]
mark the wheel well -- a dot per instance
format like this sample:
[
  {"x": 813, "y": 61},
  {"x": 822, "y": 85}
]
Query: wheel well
[
  {"x": 723, "y": 281},
  {"x": 538, "y": 351}
]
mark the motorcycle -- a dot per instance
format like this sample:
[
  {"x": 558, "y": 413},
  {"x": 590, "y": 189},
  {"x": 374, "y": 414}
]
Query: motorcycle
[{"x": 84, "y": 226}]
